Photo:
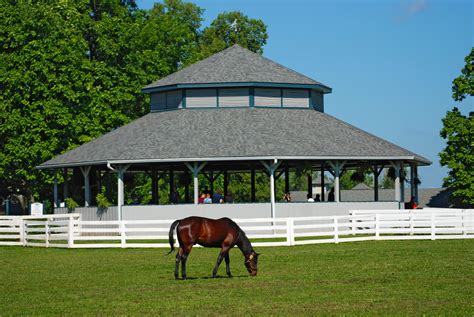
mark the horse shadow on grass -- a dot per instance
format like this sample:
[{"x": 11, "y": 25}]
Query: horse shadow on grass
[{"x": 214, "y": 278}]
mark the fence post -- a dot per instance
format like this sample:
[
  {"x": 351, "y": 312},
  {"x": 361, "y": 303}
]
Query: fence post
[
  {"x": 469, "y": 220},
  {"x": 22, "y": 228},
  {"x": 79, "y": 227},
  {"x": 463, "y": 222},
  {"x": 336, "y": 230},
  {"x": 377, "y": 227},
  {"x": 290, "y": 232},
  {"x": 70, "y": 236},
  {"x": 433, "y": 233},
  {"x": 123, "y": 241},
  {"x": 411, "y": 221},
  {"x": 46, "y": 233},
  {"x": 353, "y": 221}
]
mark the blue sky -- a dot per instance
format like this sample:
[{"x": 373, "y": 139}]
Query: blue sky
[{"x": 390, "y": 63}]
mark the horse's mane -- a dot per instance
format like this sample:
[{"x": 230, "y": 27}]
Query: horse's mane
[{"x": 242, "y": 241}]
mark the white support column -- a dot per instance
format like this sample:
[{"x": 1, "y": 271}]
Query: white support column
[
  {"x": 120, "y": 195},
  {"x": 402, "y": 183},
  {"x": 195, "y": 169},
  {"x": 412, "y": 180},
  {"x": 55, "y": 190},
  {"x": 196, "y": 188},
  {"x": 337, "y": 166},
  {"x": 337, "y": 172},
  {"x": 272, "y": 191},
  {"x": 416, "y": 184},
  {"x": 396, "y": 167},
  {"x": 65, "y": 185},
  {"x": 271, "y": 170},
  {"x": 87, "y": 192}
]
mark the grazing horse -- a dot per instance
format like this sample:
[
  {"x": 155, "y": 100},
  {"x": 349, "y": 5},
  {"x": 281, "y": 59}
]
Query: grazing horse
[{"x": 215, "y": 233}]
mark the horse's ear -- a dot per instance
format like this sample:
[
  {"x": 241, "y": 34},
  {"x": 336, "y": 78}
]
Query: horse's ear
[{"x": 257, "y": 254}]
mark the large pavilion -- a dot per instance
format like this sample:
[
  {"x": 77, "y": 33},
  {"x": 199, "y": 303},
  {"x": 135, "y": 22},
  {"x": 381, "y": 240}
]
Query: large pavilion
[{"x": 236, "y": 111}]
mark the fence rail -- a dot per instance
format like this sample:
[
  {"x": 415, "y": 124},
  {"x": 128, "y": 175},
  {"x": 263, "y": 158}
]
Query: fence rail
[{"x": 70, "y": 231}]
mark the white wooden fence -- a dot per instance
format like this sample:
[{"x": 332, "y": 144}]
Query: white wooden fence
[{"x": 70, "y": 231}]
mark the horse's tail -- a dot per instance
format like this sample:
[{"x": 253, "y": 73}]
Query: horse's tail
[{"x": 171, "y": 240}]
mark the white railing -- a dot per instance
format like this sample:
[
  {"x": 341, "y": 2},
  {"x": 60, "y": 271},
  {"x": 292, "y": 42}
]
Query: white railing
[
  {"x": 70, "y": 231},
  {"x": 39, "y": 231}
]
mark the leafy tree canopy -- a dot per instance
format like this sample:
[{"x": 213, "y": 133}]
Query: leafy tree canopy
[
  {"x": 458, "y": 155},
  {"x": 351, "y": 178},
  {"x": 73, "y": 70},
  {"x": 458, "y": 130},
  {"x": 387, "y": 181},
  {"x": 463, "y": 85},
  {"x": 231, "y": 28}
]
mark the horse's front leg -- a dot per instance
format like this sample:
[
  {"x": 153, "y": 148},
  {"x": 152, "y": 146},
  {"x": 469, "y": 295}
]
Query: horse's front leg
[
  {"x": 218, "y": 262},
  {"x": 227, "y": 264}
]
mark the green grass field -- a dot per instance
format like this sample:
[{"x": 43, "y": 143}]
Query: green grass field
[{"x": 364, "y": 278}]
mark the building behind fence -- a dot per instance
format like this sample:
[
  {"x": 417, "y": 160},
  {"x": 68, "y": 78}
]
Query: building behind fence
[{"x": 71, "y": 231}]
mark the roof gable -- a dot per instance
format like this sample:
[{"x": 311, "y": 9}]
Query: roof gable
[{"x": 235, "y": 65}]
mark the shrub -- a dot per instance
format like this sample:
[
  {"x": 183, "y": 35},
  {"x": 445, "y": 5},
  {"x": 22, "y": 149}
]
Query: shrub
[
  {"x": 71, "y": 204},
  {"x": 102, "y": 201}
]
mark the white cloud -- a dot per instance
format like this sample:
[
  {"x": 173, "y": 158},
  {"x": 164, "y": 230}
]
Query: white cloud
[
  {"x": 416, "y": 6},
  {"x": 410, "y": 8}
]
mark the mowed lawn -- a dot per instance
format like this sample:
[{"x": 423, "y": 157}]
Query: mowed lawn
[{"x": 363, "y": 278}]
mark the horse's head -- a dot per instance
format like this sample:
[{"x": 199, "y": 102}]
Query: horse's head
[{"x": 251, "y": 263}]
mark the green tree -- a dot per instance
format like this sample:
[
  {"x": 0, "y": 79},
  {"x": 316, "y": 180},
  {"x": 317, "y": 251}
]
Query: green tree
[
  {"x": 345, "y": 181},
  {"x": 463, "y": 85},
  {"x": 231, "y": 28},
  {"x": 458, "y": 130},
  {"x": 387, "y": 180},
  {"x": 41, "y": 62},
  {"x": 73, "y": 70},
  {"x": 351, "y": 178},
  {"x": 458, "y": 155}
]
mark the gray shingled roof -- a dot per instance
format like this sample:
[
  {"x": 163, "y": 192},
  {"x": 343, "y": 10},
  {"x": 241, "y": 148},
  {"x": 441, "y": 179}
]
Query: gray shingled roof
[
  {"x": 234, "y": 65},
  {"x": 230, "y": 134},
  {"x": 361, "y": 186}
]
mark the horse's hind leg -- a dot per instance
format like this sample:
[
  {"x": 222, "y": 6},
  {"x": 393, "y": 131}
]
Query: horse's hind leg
[
  {"x": 178, "y": 259},
  {"x": 184, "y": 258},
  {"x": 227, "y": 264}
]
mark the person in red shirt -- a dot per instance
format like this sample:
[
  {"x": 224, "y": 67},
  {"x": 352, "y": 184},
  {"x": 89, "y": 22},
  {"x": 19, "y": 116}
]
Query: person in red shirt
[
  {"x": 201, "y": 198},
  {"x": 412, "y": 204}
]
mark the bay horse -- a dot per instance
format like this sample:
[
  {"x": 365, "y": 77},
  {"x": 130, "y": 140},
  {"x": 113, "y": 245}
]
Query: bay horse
[{"x": 215, "y": 233}]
